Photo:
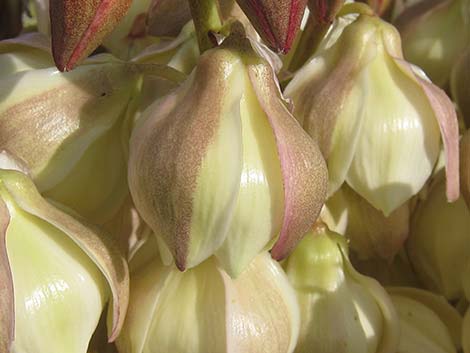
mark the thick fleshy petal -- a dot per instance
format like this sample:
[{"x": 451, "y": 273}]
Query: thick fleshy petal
[
  {"x": 185, "y": 186},
  {"x": 99, "y": 249},
  {"x": 79, "y": 26},
  {"x": 303, "y": 167},
  {"x": 449, "y": 316},
  {"x": 253, "y": 314},
  {"x": 7, "y": 308},
  {"x": 258, "y": 214},
  {"x": 277, "y": 21},
  {"x": 446, "y": 117}
]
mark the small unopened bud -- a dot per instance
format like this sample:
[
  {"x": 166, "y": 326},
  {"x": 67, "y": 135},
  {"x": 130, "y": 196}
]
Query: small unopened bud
[
  {"x": 79, "y": 26},
  {"x": 277, "y": 21}
]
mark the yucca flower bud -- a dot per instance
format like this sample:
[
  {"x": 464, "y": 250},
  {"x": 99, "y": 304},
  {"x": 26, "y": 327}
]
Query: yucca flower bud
[
  {"x": 203, "y": 310},
  {"x": 276, "y": 21},
  {"x": 232, "y": 172},
  {"x": 341, "y": 310},
  {"x": 79, "y": 26},
  {"x": 26, "y": 52},
  {"x": 465, "y": 166},
  {"x": 439, "y": 242},
  {"x": 357, "y": 88},
  {"x": 428, "y": 323},
  {"x": 371, "y": 234},
  {"x": 71, "y": 130},
  {"x": 56, "y": 273},
  {"x": 434, "y": 35}
]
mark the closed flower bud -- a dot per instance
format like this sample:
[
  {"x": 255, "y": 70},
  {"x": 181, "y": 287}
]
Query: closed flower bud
[
  {"x": 232, "y": 172},
  {"x": 341, "y": 310},
  {"x": 434, "y": 35},
  {"x": 79, "y": 26},
  {"x": 203, "y": 310},
  {"x": 167, "y": 17},
  {"x": 371, "y": 234},
  {"x": 428, "y": 323},
  {"x": 56, "y": 274},
  {"x": 439, "y": 242},
  {"x": 67, "y": 128},
  {"x": 375, "y": 116},
  {"x": 26, "y": 52},
  {"x": 465, "y": 166},
  {"x": 276, "y": 21}
]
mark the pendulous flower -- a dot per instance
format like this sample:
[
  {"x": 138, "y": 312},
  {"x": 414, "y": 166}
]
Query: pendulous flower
[
  {"x": 375, "y": 116},
  {"x": 220, "y": 166}
]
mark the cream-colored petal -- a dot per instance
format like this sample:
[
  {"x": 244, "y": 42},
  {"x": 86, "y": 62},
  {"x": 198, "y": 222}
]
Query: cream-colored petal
[
  {"x": 262, "y": 314},
  {"x": 400, "y": 138},
  {"x": 258, "y": 213}
]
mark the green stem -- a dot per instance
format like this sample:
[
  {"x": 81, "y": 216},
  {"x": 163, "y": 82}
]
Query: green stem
[{"x": 206, "y": 17}]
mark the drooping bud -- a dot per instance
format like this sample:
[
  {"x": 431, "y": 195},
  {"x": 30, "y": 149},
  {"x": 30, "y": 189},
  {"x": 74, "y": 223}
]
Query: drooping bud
[
  {"x": 465, "y": 166},
  {"x": 358, "y": 89},
  {"x": 428, "y": 323},
  {"x": 460, "y": 85},
  {"x": 341, "y": 310},
  {"x": 277, "y": 21},
  {"x": 434, "y": 33},
  {"x": 200, "y": 201},
  {"x": 371, "y": 234},
  {"x": 70, "y": 130},
  {"x": 26, "y": 52},
  {"x": 204, "y": 310},
  {"x": 439, "y": 242},
  {"x": 57, "y": 273},
  {"x": 79, "y": 26}
]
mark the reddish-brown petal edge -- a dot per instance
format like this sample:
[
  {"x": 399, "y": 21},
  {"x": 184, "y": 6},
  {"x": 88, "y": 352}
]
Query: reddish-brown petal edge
[{"x": 304, "y": 170}]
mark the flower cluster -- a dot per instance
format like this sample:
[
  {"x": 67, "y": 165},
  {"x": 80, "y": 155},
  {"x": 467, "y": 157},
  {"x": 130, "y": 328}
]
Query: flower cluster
[{"x": 212, "y": 176}]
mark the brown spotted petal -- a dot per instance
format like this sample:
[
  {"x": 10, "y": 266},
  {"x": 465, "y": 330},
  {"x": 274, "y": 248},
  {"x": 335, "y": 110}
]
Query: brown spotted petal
[
  {"x": 465, "y": 166},
  {"x": 303, "y": 168},
  {"x": 79, "y": 26},
  {"x": 7, "y": 308},
  {"x": 277, "y": 21},
  {"x": 185, "y": 186}
]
